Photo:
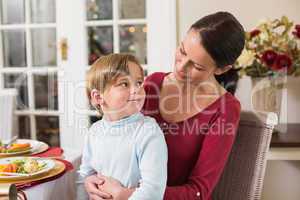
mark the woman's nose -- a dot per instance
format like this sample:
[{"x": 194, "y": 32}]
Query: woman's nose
[{"x": 183, "y": 64}]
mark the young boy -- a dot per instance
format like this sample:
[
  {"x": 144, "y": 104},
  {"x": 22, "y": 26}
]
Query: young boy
[{"x": 125, "y": 144}]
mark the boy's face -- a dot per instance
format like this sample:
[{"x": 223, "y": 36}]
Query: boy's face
[{"x": 126, "y": 95}]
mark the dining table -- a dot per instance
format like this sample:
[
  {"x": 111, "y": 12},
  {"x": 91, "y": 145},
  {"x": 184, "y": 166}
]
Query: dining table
[{"x": 62, "y": 188}]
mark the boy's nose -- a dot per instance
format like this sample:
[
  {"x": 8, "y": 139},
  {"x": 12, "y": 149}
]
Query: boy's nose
[{"x": 134, "y": 89}]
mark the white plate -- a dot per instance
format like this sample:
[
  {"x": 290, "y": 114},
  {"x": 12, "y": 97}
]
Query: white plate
[
  {"x": 49, "y": 165},
  {"x": 34, "y": 144}
]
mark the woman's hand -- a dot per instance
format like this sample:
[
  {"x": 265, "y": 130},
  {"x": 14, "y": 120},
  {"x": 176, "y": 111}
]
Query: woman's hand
[
  {"x": 92, "y": 184},
  {"x": 115, "y": 188},
  {"x": 110, "y": 185}
]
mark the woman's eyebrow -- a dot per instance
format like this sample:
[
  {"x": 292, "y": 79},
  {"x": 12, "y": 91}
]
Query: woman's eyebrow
[{"x": 195, "y": 63}]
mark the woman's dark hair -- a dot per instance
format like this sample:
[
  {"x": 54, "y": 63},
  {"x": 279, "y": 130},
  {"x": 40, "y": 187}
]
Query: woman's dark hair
[{"x": 223, "y": 37}]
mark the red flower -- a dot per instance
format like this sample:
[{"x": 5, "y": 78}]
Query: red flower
[
  {"x": 296, "y": 33},
  {"x": 254, "y": 33},
  {"x": 282, "y": 61},
  {"x": 269, "y": 57}
]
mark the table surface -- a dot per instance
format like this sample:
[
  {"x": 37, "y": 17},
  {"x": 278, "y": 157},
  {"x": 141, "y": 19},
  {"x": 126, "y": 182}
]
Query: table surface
[
  {"x": 63, "y": 188},
  {"x": 285, "y": 143},
  {"x": 286, "y": 135},
  {"x": 284, "y": 153}
]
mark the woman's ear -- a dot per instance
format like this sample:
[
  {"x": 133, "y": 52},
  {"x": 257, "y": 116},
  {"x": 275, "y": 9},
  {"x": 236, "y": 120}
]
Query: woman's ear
[
  {"x": 222, "y": 70},
  {"x": 96, "y": 97}
]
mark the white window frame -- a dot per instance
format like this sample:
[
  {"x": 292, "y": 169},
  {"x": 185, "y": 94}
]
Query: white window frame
[{"x": 29, "y": 70}]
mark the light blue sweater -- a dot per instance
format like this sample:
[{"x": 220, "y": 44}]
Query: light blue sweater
[{"x": 132, "y": 150}]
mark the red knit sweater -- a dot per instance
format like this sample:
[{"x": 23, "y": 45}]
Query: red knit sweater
[{"x": 198, "y": 147}]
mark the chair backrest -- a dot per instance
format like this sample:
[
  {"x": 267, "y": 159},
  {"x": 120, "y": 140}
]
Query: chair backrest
[
  {"x": 7, "y": 108},
  {"x": 243, "y": 175}
]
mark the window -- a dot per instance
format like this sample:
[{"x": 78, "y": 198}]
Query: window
[{"x": 48, "y": 45}]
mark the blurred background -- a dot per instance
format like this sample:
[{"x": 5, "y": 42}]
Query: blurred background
[{"x": 47, "y": 45}]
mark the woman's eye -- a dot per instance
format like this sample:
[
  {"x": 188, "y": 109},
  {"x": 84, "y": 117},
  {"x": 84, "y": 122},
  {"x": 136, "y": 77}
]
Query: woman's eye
[
  {"x": 198, "y": 68},
  {"x": 181, "y": 51}
]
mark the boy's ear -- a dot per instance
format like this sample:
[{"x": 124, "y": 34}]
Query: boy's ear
[
  {"x": 96, "y": 97},
  {"x": 222, "y": 70}
]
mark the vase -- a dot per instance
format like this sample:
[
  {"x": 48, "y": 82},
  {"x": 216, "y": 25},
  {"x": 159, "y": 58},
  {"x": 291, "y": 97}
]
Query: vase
[{"x": 266, "y": 94}]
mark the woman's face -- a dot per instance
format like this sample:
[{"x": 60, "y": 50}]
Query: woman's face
[{"x": 192, "y": 63}]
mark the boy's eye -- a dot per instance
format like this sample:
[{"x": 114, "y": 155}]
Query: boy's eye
[
  {"x": 124, "y": 84},
  {"x": 139, "y": 83}
]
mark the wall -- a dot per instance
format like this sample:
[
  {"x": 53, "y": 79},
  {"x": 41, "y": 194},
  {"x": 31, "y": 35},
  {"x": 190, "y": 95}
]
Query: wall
[
  {"x": 248, "y": 12},
  {"x": 279, "y": 173},
  {"x": 282, "y": 181}
]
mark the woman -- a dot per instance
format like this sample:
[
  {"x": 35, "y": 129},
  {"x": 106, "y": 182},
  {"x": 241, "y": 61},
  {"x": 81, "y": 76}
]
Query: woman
[{"x": 198, "y": 115}]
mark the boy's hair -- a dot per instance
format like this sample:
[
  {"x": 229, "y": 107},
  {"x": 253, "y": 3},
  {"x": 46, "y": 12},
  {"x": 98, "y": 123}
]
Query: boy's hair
[{"x": 105, "y": 71}]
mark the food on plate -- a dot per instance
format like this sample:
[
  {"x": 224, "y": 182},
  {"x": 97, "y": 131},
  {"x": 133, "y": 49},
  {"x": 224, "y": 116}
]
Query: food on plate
[
  {"x": 15, "y": 147},
  {"x": 23, "y": 166},
  {"x": 8, "y": 168},
  {"x": 31, "y": 166}
]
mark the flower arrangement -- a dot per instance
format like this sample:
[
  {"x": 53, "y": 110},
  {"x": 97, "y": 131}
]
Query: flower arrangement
[{"x": 271, "y": 49}]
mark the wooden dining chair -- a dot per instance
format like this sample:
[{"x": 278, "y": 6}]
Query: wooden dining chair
[
  {"x": 243, "y": 175},
  {"x": 7, "y": 117}
]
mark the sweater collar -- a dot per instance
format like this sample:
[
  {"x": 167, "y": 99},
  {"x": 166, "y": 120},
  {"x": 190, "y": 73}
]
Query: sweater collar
[{"x": 122, "y": 122}]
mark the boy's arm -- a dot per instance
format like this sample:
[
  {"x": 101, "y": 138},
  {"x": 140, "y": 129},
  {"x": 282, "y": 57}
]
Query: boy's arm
[
  {"x": 85, "y": 171},
  {"x": 85, "y": 167},
  {"x": 152, "y": 156}
]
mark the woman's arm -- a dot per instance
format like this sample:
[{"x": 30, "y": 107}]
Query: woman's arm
[
  {"x": 112, "y": 186},
  {"x": 125, "y": 193},
  {"x": 212, "y": 158}
]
